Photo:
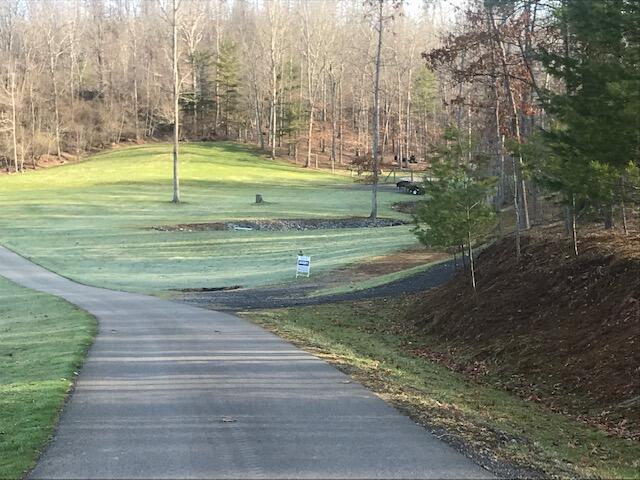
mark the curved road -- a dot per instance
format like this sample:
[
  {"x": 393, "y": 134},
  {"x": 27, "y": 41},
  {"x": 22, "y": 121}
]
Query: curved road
[{"x": 173, "y": 391}]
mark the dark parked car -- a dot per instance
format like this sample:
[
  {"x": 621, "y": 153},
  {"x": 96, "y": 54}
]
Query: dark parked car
[
  {"x": 410, "y": 187},
  {"x": 415, "y": 189}
]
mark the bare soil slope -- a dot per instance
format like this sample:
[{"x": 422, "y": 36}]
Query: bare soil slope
[{"x": 557, "y": 329}]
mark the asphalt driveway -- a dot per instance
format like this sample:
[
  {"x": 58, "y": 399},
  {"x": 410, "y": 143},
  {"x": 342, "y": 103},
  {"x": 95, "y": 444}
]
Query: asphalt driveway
[{"x": 170, "y": 390}]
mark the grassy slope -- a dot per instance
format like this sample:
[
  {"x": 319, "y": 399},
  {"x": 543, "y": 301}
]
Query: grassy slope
[
  {"x": 361, "y": 339},
  {"x": 44, "y": 340},
  {"x": 89, "y": 221}
]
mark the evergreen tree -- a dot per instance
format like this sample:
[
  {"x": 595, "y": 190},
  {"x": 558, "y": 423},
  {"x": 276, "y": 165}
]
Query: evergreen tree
[
  {"x": 294, "y": 109},
  {"x": 456, "y": 209},
  {"x": 595, "y": 135},
  {"x": 196, "y": 102},
  {"x": 228, "y": 78},
  {"x": 425, "y": 90}
]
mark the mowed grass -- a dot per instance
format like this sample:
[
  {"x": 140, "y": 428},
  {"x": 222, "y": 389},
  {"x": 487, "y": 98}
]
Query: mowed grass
[
  {"x": 92, "y": 221},
  {"x": 42, "y": 344},
  {"x": 366, "y": 339}
]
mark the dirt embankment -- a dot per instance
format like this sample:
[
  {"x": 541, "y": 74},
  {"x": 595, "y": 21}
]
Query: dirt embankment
[{"x": 560, "y": 330}]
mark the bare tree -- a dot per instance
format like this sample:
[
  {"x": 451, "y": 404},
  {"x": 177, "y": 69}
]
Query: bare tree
[
  {"x": 173, "y": 21},
  {"x": 379, "y": 24},
  {"x": 192, "y": 28},
  {"x": 376, "y": 111},
  {"x": 8, "y": 97},
  {"x": 276, "y": 37},
  {"x": 516, "y": 115},
  {"x": 54, "y": 49},
  {"x": 318, "y": 34}
]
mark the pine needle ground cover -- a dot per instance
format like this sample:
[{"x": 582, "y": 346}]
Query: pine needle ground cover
[
  {"x": 93, "y": 221},
  {"x": 43, "y": 342}
]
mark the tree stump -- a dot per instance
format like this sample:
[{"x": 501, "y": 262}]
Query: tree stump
[{"x": 258, "y": 198}]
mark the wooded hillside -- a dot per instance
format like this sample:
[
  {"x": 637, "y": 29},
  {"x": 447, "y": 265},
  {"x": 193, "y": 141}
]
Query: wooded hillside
[{"x": 295, "y": 75}]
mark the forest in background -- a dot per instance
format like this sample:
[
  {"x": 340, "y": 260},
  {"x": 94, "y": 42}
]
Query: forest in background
[{"x": 292, "y": 75}]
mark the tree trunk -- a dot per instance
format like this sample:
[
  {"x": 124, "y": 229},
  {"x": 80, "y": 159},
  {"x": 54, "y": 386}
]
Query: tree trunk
[
  {"x": 216, "y": 86},
  {"x": 273, "y": 15},
  {"x": 72, "y": 91},
  {"x": 516, "y": 118},
  {"x": 52, "y": 59},
  {"x": 501, "y": 189},
  {"x": 516, "y": 206},
  {"x": 399, "y": 143},
  {"x": 623, "y": 208},
  {"x": 196, "y": 96},
  {"x": 408, "y": 117},
  {"x": 608, "y": 216},
  {"x": 574, "y": 233},
  {"x": 309, "y": 135},
  {"x": 472, "y": 267},
  {"x": 385, "y": 129},
  {"x": 273, "y": 118},
  {"x": 135, "y": 85},
  {"x": 376, "y": 116},
  {"x": 14, "y": 122},
  {"x": 333, "y": 124},
  {"x": 340, "y": 133},
  {"x": 32, "y": 106},
  {"x": 259, "y": 136},
  {"x": 147, "y": 88},
  {"x": 176, "y": 113},
  {"x": 324, "y": 113},
  {"x": 469, "y": 153},
  {"x": 22, "y": 153},
  {"x": 567, "y": 220}
]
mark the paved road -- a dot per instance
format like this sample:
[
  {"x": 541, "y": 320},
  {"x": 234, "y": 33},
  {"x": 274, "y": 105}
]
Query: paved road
[{"x": 174, "y": 391}]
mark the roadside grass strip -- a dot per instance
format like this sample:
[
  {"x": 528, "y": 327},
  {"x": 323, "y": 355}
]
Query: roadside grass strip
[
  {"x": 43, "y": 341},
  {"x": 363, "y": 340}
]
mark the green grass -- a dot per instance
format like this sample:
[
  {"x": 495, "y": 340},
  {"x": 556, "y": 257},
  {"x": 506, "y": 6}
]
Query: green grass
[
  {"x": 91, "y": 221},
  {"x": 43, "y": 342},
  {"x": 363, "y": 339}
]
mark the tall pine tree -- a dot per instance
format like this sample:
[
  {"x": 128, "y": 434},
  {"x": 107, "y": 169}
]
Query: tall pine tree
[{"x": 595, "y": 136}]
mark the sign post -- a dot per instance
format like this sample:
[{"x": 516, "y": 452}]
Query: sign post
[{"x": 304, "y": 265}]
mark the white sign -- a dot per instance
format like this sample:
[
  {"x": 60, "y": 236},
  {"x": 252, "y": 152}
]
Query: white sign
[{"x": 304, "y": 265}]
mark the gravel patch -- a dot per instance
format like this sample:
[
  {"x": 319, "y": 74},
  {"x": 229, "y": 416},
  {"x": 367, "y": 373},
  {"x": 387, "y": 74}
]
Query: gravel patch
[
  {"x": 284, "y": 224},
  {"x": 292, "y": 295}
]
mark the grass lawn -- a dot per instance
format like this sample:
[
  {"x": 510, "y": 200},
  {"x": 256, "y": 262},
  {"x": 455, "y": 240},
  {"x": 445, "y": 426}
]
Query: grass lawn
[
  {"x": 363, "y": 339},
  {"x": 44, "y": 340},
  {"x": 91, "y": 221}
]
